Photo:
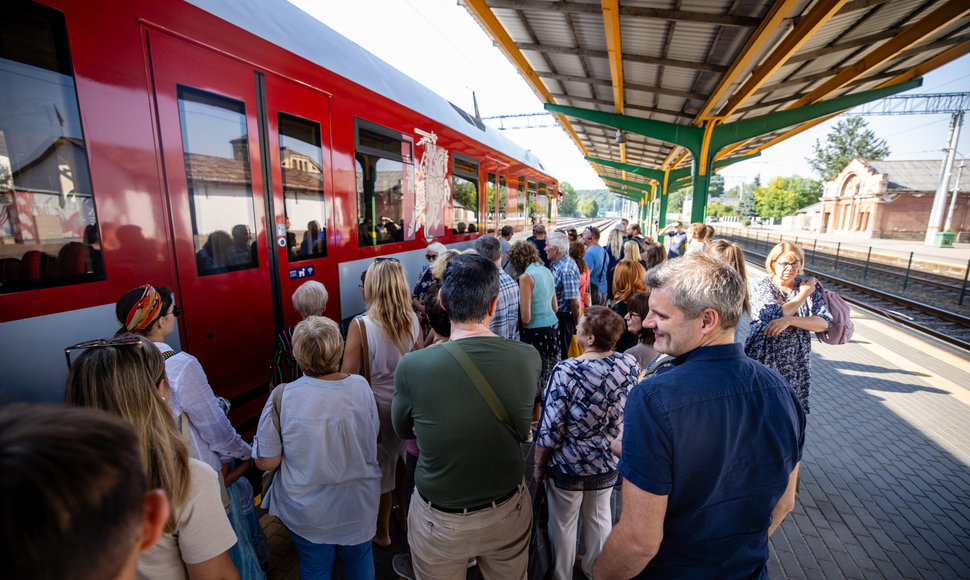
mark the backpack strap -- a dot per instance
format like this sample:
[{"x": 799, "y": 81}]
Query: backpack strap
[
  {"x": 277, "y": 397},
  {"x": 365, "y": 360},
  {"x": 481, "y": 384}
]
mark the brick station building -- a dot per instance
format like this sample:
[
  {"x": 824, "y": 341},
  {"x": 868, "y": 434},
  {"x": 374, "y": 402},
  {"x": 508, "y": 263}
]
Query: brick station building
[{"x": 890, "y": 199}]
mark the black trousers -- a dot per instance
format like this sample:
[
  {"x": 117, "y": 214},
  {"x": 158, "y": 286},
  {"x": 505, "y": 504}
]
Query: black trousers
[{"x": 567, "y": 328}]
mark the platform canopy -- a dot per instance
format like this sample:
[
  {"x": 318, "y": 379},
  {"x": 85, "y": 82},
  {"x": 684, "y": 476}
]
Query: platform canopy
[{"x": 695, "y": 84}]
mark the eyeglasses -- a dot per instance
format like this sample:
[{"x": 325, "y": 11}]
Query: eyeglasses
[
  {"x": 431, "y": 257},
  {"x": 784, "y": 265},
  {"x": 127, "y": 340}
]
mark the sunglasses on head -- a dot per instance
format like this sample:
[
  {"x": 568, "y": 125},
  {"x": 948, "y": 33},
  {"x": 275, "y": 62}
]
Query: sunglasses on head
[{"x": 127, "y": 340}]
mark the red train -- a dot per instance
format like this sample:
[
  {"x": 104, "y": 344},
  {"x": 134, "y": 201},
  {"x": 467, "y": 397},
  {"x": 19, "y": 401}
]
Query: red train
[{"x": 229, "y": 151}]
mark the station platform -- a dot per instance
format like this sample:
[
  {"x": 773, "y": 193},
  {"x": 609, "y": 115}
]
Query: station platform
[
  {"x": 951, "y": 261},
  {"x": 885, "y": 489}
]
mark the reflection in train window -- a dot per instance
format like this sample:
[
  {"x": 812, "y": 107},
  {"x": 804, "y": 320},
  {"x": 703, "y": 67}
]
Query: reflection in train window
[
  {"x": 301, "y": 158},
  {"x": 464, "y": 188},
  {"x": 491, "y": 199},
  {"x": 520, "y": 202},
  {"x": 49, "y": 232},
  {"x": 542, "y": 201},
  {"x": 532, "y": 207},
  {"x": 383, "y": 158},
  {"x": 215, "y": 144},
  {"x": 502, "y": 196}
]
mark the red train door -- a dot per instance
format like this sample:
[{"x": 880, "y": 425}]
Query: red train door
[
  {"x": 299, "y": 150},
  {"x": 206, "y": 107}
]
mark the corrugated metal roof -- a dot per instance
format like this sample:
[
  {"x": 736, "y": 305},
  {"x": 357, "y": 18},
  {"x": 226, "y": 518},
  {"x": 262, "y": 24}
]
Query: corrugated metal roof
[
  {"x": 675, "y": 54},
  {"x": 918, "y": 175}
]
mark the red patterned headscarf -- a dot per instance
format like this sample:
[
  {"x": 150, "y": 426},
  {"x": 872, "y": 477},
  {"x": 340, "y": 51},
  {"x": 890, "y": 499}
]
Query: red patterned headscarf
[{"x": 145, "y": 311}]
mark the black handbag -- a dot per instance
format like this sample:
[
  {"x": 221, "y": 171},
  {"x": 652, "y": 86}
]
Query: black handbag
[{"x": 540, "y": 549}]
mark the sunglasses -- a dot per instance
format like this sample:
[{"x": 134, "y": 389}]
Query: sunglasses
[
  {"x": 101, "y": 343},
  {"x": 176, "y": 311},
  {"x": 431, "y": 257}
]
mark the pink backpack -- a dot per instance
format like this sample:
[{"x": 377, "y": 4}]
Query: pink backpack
[{"x": 841, "y": 329}]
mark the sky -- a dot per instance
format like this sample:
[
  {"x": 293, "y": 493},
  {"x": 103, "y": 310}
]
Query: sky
[{"x": 439, "y": 44}]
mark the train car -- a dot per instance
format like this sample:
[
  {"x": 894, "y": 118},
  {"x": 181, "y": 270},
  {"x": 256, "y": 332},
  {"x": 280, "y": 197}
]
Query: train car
[{"x": 229, "y": 150}]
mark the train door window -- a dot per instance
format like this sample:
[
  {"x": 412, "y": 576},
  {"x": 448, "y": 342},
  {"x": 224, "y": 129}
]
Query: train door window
[
  {"x": 215, "y": 143},
  {"x": 532, "y": 206},
  {"x": 382, "y": 159},
  {"x": 301, "y": 160},
  {"x": 491, "y": 204},
  {"x": 464, "y": 187},
  {"x": 502, "y": 200},
  {"x": 520, "y": 201},
  {"x": 48, "y": 224}
]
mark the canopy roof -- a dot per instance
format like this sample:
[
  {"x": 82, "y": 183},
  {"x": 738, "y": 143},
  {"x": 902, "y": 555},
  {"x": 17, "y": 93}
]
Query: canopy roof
[{"x": 689, "y": 62}]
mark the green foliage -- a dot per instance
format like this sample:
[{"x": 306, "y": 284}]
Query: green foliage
[
  {"x": 718, "y": 209},
  {"x": 747, "y": 206},
  {"x": 465, "y": 193},
  {"x": 569, "y": 199},
  {"x": 733, "y": 192},
  {"x": 850, "y": 138},
  {"x": 589, "y": 208},
  {"x": 716, "y": 187},
  {"x": 675, "y": 203},
  {"x": 786, "y": 195}
]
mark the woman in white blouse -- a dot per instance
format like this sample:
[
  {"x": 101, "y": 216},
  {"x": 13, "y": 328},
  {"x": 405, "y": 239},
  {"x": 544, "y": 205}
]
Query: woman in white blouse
[
  {"x": 327, "y": 488},
  {"x": 152, "y": 313}
]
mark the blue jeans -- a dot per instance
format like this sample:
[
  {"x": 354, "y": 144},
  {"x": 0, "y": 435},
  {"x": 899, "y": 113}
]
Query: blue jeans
[{"x": 316, "y": 560}]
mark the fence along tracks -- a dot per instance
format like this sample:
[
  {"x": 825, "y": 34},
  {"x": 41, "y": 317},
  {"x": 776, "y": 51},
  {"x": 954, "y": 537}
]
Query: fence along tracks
[{"x": 927, "y": 314}]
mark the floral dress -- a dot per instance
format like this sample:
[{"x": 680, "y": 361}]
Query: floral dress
[{"x": 789, "y": 353}]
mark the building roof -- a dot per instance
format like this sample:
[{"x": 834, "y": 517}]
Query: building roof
[
  {"x": 690, "y": 61},
  {"x": 917, "y": 175}
]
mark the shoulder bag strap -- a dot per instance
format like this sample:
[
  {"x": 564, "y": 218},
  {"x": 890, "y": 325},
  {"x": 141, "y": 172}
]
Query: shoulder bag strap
[
  {"x": 484, "y": 389},
  {"x": 277, "y": 397},
  {"x": 365, "y": 361}
]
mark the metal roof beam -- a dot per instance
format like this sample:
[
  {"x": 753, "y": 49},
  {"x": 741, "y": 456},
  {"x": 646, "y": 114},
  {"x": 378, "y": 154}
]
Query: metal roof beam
[
  {"x": 634, "y": 184},
  {"x": 634, "y": 11},
  {"x": 633, "y": 107},
  {"x": 914, "y": 33},
  {"x": 640, "y": 58},
  {"x": 628, "y": 86},
  {"x": 684, "y": 135}
]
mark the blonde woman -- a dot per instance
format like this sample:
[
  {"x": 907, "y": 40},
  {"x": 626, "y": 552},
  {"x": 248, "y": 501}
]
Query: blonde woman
[
  {"x": 391, "y": 330},
  {"x": 125, "y": 376}
]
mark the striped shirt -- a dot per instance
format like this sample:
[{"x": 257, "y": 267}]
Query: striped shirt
[
  {"x": 565, "y": 272},
  {"x": 506, "y": 318}
]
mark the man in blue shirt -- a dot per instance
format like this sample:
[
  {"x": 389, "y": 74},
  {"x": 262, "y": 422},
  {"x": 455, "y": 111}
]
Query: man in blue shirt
[
  {"x": 710, "y": 447},
  {"x": 505, "y": 321},
  {"x": 596, "y": 261},
  {"x": 678, "y": 240}
]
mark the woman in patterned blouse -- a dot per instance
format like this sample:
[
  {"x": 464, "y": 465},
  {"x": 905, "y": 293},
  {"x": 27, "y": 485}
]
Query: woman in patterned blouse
[
  {"x": 582, "y": 412},
  {"x": 785, "y": 310}
]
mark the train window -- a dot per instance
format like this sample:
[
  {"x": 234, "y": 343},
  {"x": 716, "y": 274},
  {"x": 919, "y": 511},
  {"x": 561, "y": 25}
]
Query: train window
[
  {"x": 464, "y": 188},
  {"x": 533, "y": 207},
  {"x": 215, "y": 143},
  {"x": 382, "y": 158},
  {"x": 48, "y": 224},
  {"x": 491, "y": 203},
  {"x": 502, "y": 197},
  {"x": 520, "y": 200},
  {"x": 542, "y": 201},
  {"x": 301, "y": 158}
]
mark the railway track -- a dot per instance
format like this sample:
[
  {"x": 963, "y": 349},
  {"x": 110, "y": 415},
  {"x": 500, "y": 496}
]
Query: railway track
[{"x": 943, "y": 324}]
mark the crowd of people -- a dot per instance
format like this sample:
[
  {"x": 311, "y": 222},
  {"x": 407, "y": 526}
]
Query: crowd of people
[{"x": 630, "y": 365}]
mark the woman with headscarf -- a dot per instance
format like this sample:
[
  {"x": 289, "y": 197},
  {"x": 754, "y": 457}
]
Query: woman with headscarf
[
  {"x": 391, "y": 330},
  {"x": 125, "y": 376}
]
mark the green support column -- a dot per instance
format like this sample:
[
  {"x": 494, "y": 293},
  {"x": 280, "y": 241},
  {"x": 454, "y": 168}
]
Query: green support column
[{"x": 701, "y": 184}]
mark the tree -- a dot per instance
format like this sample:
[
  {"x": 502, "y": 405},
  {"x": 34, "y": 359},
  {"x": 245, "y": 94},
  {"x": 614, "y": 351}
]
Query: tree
[
  {"x": 569, "y": 199},
  {"x": 850, "y": 138},
  {"x": 718, "y": 209},
  {"x": 786, "y": 195},
  {"x": 734, "y": 192},
  {"x": 675, "y": 200},
  {"x": 716, "y": 188},
  {"x": 589, "y": 208},
  {"x": 746, "y": 208}
]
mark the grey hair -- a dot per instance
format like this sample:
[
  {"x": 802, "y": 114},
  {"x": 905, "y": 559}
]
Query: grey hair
[
  {"x": 697, "y": 282},
  {"x": 559, "y": 241},
  {"x": 488, "y": 247},
  {"x": 436, "y": 247},
  {"x": 310, "y": 299}
]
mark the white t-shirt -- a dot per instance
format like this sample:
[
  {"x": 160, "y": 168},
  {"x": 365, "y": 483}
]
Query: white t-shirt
[{"x": 203, "y": 530}]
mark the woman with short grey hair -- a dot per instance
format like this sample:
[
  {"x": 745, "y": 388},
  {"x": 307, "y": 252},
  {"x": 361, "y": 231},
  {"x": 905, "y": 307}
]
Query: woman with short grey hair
[
  {"x": 324, "y": 443},
  {"x": 310, "y": 299}
]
